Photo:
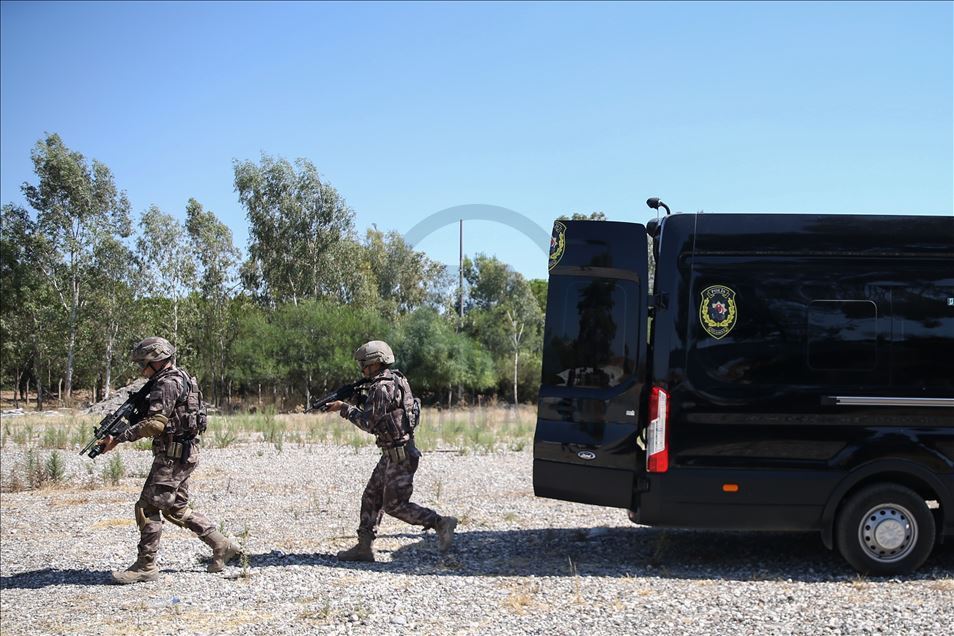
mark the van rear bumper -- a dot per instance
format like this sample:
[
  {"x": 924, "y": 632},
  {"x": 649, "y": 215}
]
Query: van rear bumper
[
  {"x": 595, "y": 485},
  {"x": 764, "y": 499}
]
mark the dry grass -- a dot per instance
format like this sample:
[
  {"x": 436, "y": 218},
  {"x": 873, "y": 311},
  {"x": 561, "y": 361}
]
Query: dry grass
[
  {"x": 70, "y": 501},
  {"x": 471, "y": 430},
  {"x": 524, "y": 599},
  {"x": 944, "y": 585},
  {"x": 113, "y": 523},
  {"x": 464, "y": 430}
]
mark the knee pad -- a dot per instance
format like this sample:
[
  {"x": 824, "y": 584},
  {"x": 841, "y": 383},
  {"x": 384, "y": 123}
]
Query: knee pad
[
  {"x": 146, "y": 514},
  {"x": 178, "y": 517}
]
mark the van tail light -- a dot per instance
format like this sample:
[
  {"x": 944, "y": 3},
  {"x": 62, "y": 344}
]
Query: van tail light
[{"x": 657, "y": 447}]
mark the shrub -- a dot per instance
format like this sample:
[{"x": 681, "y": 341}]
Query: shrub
[
  {"x": 55, "y": 467},
  {"x": 114, "y": 470}
]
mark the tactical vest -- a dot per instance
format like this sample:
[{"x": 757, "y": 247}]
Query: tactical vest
[
  {"x": 402, "y": 414},
  {"x": 189, "y": 418}
]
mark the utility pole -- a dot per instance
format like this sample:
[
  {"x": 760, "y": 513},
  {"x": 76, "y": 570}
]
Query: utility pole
[{"x": 460, "y": 279}]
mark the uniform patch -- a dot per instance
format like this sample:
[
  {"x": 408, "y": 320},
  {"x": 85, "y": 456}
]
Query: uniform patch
[
  {"x": 557, "y": 244},
  {"x": 718, "y": 311}
]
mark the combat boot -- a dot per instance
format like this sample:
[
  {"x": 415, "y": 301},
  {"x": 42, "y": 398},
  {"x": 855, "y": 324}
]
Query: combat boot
[
  {"x": 445, "y": 532},
  {"x": 223, "y": 550},
  {"x": 144, "y": 569},
  {"x": 360, "y": 552}
]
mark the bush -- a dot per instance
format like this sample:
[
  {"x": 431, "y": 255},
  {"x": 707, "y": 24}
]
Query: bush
[
  {"x": 114, "y": 470},
  {"x": 55, "y": 467}
]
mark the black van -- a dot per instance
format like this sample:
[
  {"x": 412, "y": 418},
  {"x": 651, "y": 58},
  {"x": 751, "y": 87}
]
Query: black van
[{"x": 781, "y": 372}]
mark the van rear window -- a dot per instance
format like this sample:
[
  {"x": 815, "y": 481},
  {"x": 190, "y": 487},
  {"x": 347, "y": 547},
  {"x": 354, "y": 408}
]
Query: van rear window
[{"x": 590, "y": 338}]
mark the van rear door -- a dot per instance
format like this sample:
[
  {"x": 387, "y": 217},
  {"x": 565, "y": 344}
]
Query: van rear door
[{"x": 594, "y": 364}]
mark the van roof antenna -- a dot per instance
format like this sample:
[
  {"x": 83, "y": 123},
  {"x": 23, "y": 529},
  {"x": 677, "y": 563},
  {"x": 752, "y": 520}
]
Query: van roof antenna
[{"x": 655, "y": 204}]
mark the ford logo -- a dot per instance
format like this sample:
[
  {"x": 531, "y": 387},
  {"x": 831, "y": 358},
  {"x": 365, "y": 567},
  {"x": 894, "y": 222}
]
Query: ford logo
[{"x": 587, "y": 455}]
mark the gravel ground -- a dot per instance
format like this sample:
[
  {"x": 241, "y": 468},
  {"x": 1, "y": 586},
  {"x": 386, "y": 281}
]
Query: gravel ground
[{"x": 520, "y": 565}]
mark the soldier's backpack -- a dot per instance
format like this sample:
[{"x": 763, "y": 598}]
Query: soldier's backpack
[
  {"x": 410, "y": 404},
  {"x": 196, "y": 420}
]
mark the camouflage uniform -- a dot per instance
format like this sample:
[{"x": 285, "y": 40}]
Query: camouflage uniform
[
  {"x": 166, "y": 490},
  {"x": 172, "y": 400},
  {"x": 392, "y": 481}
]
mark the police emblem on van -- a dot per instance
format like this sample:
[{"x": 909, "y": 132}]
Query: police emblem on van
[
  {"x": 718, "y": 311},
  {"x": 557, "y": 243}
]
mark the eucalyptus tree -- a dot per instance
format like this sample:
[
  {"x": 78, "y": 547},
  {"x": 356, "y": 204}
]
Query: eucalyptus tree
[
  {"x": 305, "y": 346},
  {"x": 579, "y": 216},
  {"x": 114, "y": 276},
  {"x": 218, "y": 261},
  {"x": 437, "y": 358},
  {"x": 505, "y": 314},
  {"x": 294, "y": 222},
  {"x": 405, "y": 279},
  {"x": 20, "y": 285},
  {"x": 78, "y": 207},
  {"x": 167, "y": 267}
]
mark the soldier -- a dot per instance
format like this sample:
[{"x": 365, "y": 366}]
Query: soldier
[
  {"x": 386, "y": 415},
  {"x": 172, "y": 422}
]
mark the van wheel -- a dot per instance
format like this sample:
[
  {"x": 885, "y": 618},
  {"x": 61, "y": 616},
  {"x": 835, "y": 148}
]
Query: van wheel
[{"x": 885, "y": 529}]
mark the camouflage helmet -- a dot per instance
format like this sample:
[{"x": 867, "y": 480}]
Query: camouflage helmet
[
  {"x": 374, "y": 351},
  {"x": 152, "y": 349}
]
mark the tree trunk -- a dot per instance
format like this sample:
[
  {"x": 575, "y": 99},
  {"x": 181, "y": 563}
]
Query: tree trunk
[
  {"x": 516, "y": 360},
  {"x": 308, "y": 391},
  {"x": 16, "y": 387},
  {"x": 175, "y": 321},
  {"x": 71, "y": 351},
  {"x": 109, "y": 361}
]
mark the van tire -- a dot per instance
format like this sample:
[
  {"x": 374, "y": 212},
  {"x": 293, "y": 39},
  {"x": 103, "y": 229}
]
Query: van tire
[{"x": 885, "y": 529}]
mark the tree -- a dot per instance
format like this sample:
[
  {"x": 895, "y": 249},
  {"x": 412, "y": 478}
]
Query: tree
[
  {"x": 316, "y": 341},
  {"x": 505, "y": 315},
  {"x": 77, "y": 207},
  {"x": 20, "y": 286},
  {"x": 218, "y": 259},
  {"x": 294, "y": 221},
  {"x": 579, "y": 216},
  {"x": 405, "y": 279},
  {"x": 254, "y": 360},
  {"x": 114, "y": 278},
  {"x": 436, "y": 358},
  {"x": 539, "y": 288},
  {"x": 167, "y": 266}
]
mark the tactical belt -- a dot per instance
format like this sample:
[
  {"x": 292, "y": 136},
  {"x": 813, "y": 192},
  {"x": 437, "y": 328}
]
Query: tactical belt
[
  {"x": 398, "y": 454},
  {"x": 179, "y": 450}
]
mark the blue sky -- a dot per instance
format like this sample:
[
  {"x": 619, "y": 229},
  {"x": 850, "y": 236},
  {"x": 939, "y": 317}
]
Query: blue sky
[{"x": 545, "y": 109}]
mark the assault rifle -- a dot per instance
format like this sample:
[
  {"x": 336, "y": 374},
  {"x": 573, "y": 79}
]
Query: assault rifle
[
  {"x": 342, "y": 393},
  {"x": 130, "y": 412}
]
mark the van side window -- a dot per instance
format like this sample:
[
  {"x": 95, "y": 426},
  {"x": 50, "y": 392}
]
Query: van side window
[{"x": 842, "y": 335}]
